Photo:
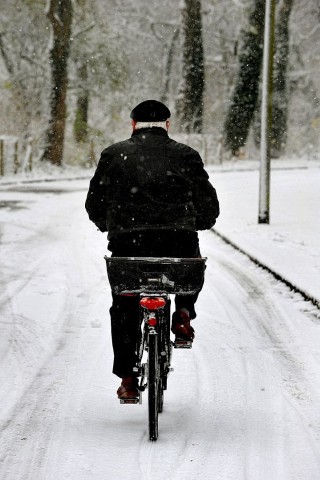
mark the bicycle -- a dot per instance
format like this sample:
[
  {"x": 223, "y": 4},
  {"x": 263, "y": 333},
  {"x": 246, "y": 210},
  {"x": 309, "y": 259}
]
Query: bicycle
[{"x": 154, "y": 280}]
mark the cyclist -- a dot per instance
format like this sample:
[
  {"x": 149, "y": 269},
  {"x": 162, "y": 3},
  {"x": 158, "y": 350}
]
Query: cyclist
[{"x": 151, "y": 194}]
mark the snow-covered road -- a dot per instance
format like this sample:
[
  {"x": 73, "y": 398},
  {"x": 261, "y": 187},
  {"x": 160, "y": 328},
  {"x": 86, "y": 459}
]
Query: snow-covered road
[{"x": 243, "y": 404}]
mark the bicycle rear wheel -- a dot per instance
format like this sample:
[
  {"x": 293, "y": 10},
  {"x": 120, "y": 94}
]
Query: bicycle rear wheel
[{"x": 153, "y": 383}]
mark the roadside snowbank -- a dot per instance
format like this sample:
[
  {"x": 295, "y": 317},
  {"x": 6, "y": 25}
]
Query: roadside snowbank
[
  {"x": 47, "y": 173},
  {"x": 290, "y": 244}
]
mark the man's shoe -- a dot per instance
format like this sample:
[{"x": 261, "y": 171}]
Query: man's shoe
[
  {"x": 181, "y": 325},
  {"x": 128, "y": 388}
]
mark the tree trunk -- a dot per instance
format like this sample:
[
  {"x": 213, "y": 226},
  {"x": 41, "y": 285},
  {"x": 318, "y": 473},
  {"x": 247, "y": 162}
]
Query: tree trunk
[
  {"x": 244, "y": 101},
  {"x": 190, "y": 101},
  {"x": 60, "y": 16},
  {"x": 280, "y": 91},
  {"x": 80, "y": 127},
  {"x": 166, "y": 93}
]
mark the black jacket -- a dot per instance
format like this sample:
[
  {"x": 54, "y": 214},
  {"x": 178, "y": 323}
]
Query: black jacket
[{"x": 151, "y": 182}]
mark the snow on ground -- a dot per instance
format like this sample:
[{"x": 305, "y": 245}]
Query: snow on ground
[
  {"x": 290, "y": 244},
  {"x": 243, "y": 404}
]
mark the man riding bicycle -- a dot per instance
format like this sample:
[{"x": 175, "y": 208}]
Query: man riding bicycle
[{"x": 151, "y": 194}]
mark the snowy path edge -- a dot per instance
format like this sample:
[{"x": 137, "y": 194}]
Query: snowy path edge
[{"x": 276, "y": 275}]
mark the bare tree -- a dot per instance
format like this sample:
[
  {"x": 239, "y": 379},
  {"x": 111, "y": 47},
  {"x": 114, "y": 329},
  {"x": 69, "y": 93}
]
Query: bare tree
[
  {"x": 23, "y": 49},
  {"x": 60, "y": 16},
  {"x": 190, "y": 101},
  {"x": 98, "y": 71},
  {"x": 80, "y": 125}
]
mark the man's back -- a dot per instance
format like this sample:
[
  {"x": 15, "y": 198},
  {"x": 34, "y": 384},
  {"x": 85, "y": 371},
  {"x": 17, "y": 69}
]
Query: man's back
[{"x": 151, "y": 182}]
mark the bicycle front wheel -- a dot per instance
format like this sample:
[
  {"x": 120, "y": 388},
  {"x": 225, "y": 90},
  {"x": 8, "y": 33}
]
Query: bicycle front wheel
[{"x": 153, "y": 382}]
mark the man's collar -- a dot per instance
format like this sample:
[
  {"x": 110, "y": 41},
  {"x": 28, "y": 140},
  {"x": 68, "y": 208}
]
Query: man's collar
[{"x": 153, "y": 130}]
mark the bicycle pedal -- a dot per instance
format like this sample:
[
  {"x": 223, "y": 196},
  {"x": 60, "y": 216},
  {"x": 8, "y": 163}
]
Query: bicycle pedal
[
  {"x": 130, "y": 401},
  {"x": 181, "y": 343}
]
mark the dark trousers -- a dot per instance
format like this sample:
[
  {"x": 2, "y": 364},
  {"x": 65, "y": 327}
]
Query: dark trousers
[{"x": 124, "y": 311}]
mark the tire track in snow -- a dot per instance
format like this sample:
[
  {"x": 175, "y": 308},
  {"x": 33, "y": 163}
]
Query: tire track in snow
[
  {"x": 247, "y": 408},
  {"x": 35, "y": 427},
  {"x": 279, "y": 331},
  {"x": 276, "y": 324}
]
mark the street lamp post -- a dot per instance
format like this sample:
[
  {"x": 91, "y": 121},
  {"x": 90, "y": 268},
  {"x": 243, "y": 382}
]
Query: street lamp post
[{"x": 266, "y": 112}]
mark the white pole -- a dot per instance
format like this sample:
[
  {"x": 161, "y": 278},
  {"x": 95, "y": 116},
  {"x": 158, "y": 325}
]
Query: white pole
[{"x": 266, "y": 113}]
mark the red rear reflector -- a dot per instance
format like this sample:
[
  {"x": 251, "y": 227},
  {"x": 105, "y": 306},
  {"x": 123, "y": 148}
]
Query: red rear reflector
[
  {"x": 152, "y": 321},
  {"x": 152, "y": 303}
]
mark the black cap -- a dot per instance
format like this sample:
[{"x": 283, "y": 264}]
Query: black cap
[{"x": 150, "y": 111}]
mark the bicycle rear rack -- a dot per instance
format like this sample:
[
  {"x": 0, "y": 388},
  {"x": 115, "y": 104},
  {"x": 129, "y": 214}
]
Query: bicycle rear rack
[{"x": 182, "y": 276}]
